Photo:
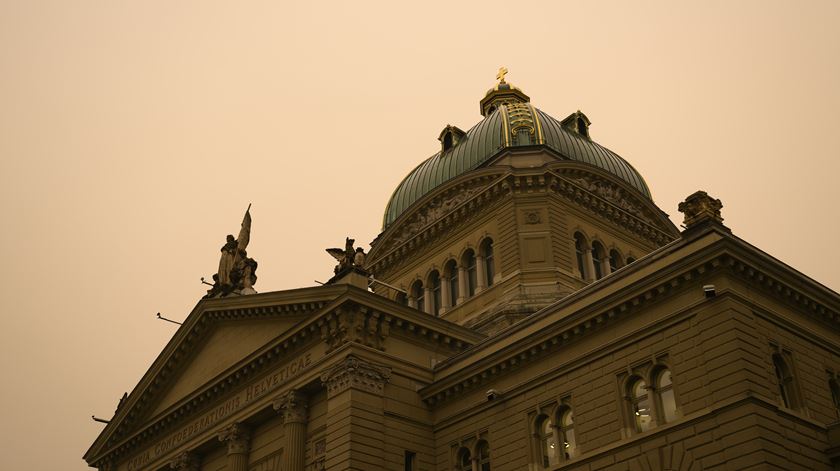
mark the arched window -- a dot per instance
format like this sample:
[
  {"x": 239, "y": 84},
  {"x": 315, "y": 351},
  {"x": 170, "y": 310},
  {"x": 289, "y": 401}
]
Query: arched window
[
  {"x": 487, "y": 253},
  {"x": 640, "y": 405},
  {"x": 665, "y": 393},
  {"x": 615, "y": 260},
  {"x": 434, "y": 285},
  {"x": 580, "y": 247},
  {"x": 401, "y": 298},
  {"x": 450, "y": 271},
  {"x": 483, "y": 452},
  {"x": 417, "y": 292},
  {"x": 546, "y": 440},
  {"x": 468, "y": 261},
  {"x": 598, "y": 259},
  {"x": 463, "y": 460},
  {"x": 566, "y": 430},
  {"x": 835, "y": 393},
  {"x": 787, "y": 387}
]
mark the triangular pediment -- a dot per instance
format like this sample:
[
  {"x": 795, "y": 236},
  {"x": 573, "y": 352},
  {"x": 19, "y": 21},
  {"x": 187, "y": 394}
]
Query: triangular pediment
[{"x": 226, "y": 345}]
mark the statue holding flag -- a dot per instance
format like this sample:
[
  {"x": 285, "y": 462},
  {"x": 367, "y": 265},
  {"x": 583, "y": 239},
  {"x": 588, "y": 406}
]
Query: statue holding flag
[{"x": 237, "y": 272}]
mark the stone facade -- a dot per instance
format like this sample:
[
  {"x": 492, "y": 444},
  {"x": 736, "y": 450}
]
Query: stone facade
[{"x": 532, "y": 313}]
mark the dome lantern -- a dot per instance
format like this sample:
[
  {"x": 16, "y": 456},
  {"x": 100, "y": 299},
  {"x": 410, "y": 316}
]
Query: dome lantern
[{"x": 502, "y": 93}]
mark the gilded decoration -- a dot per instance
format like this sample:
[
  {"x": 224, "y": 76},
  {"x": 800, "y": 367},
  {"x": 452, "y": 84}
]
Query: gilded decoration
[
  {"x": 354, "y": 372},
  {"x": 292, "y": 404},
  {"x": 237, "y": 436}
]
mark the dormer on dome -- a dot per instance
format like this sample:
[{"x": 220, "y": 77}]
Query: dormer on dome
[
  {"x": 450, "y": 137},
  {"x": 577, "y": 122},
  {"x": 502, "y": 94}
]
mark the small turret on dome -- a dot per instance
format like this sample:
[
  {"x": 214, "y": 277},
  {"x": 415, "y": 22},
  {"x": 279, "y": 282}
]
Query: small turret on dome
[{"x": 501, "y": 94}]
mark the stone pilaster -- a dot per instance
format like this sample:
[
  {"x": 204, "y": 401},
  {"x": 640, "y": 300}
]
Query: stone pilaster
[
  {"x": 237, "y": 436},
  {"x": 292, "y": 405},
  {"x": 355, "y": 388},
  {"x": 186, "y": 461}
]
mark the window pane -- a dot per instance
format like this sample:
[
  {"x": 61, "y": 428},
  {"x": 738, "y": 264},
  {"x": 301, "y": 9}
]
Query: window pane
[
  {"x": 641, "y": 412},
  {"x": 665, "y": 379},
  {"x": 568, "y": 419},
  {"x": 639, "y": 389},
  {"x": 669, "y": 406},
  {"x": 569, "y": 445}
]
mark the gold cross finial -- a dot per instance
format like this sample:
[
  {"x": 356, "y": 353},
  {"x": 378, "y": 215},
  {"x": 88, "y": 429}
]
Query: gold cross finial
[{"x": 501, "y": 75}]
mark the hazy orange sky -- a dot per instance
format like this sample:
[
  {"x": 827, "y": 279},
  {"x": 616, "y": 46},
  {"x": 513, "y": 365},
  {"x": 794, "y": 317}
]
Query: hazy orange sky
[{"x": 133, "y": 135}]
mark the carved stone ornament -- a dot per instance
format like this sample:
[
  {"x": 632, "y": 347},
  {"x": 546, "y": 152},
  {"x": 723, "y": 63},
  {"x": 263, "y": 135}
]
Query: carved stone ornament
[
  {"x": 237, "y": 272},
  {"x": 353, "y": 325},
  {"x": 434, "y": 211},
  {"x": 292, "y": 405},
  {"x": 532, "y": 217},
  {"x": 237, "y": 436},
  {"x": 186, "y": 461},
  {"x": 611, "y": 193},
  {"x": 353, "y": 372},
  {"x": 700, "y": 207}
]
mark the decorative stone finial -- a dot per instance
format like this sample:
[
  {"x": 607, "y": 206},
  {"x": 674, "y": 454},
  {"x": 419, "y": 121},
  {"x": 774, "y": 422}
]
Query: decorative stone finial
[{"x": 701, "y": 209}]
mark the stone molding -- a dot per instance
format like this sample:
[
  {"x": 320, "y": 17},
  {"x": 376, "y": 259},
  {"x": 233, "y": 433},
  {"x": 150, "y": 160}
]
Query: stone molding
[
  {"x": 237, "y": 436},
  {"x": 594, "y": 193},
  {"x": 699, "y": 208},
  {"x": 292, "y": 404},
  {"x": 356, "y": 373},
  {"x": 530, "y": 350},
  {"x": 186, "y": 461}
]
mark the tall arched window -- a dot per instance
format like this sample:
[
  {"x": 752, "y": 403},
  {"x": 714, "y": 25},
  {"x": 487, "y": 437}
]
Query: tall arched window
[
  {"x": 463, "y": 460},
  {"x": 434, "y": 286},
  {"x": 417, "y": 293},
  {"x": 598, "y": 259},
  {"x": 450, "y": 271},
  {"x": 401, "y": 298},
  {"x": 566, "y": 430},
  {"x": 640, "y": 405},
  {"x": 483, "y": 452},
  {"x": 787, "y": 386},
  {"x": 468, "y": 261},
  {"x": 835, "y": 393},
  {"x": 487, "y": 253},
  {"x": 615, "y": 260},
  {"x": 665, "y": 394},
  {"x": 546, "y": 440},
  {"x": 580, "y": 247}
]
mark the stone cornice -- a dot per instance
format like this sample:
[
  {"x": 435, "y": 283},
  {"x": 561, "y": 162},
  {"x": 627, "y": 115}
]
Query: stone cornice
[
  {"x": 433, "y": 217},
  {"x": 726, "y": 254},
  {"x": 348, "y": 299}
]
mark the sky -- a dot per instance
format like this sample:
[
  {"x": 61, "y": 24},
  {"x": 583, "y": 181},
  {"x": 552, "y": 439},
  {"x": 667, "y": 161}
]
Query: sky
[{"x": 133, "y": 135}]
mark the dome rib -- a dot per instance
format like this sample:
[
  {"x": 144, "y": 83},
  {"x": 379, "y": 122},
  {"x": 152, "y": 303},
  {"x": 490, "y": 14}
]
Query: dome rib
[{"x": 485, "y": 140}]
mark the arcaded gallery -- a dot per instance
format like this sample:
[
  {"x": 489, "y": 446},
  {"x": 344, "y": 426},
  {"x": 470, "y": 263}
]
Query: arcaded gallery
[{"x": 526, "y": 306}]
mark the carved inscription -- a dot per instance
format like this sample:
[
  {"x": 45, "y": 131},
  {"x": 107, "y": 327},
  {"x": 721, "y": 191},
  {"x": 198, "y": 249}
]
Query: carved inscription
[{"x": 212, "y": 417}]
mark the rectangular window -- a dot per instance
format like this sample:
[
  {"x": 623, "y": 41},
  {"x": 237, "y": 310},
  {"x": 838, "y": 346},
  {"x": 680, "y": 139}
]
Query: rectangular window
[{"x": 410, "y": 460}]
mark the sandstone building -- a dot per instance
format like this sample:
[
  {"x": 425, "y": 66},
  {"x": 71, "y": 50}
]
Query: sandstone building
[{"x": 533, "y": 309}]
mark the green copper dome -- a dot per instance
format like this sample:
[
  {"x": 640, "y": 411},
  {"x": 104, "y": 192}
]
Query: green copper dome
[{"x": 509, "y": 121}]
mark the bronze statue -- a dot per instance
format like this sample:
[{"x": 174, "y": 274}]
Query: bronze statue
[
  {"x": 237, "y": 272},
  {"x": 348, "y": 258}
]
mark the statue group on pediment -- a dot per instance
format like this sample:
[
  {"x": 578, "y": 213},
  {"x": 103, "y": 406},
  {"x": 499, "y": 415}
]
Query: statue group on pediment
[
  {"x": 349, "y": 258},
  {"x": 237, "y": 272}
]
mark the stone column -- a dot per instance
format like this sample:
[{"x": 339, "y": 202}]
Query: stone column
[
  {"x": 427, "y": 300},
  {"x": 462, "y": 284},
  {"x": 292, "y": 405},
  {"x": 237, "y": 437},
  {"x": 355, "y": 388},
  {"x": 480, "y": 274},
  {"x": 590, "y": 264},
  {"x": 444, "y": 295},
  {"x": 186, "y": 461}
]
